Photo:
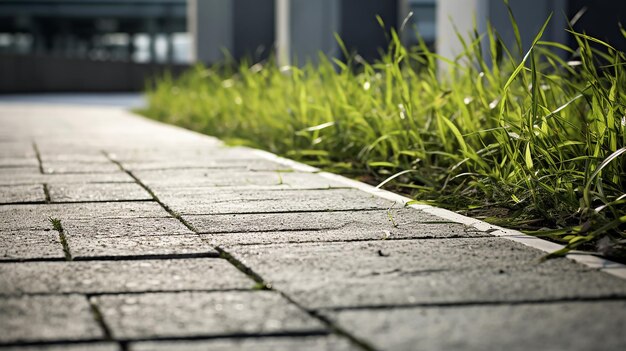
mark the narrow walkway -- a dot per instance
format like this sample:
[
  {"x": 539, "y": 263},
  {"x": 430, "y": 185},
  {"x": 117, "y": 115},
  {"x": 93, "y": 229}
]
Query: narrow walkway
[{"x": 120, "y": 233}]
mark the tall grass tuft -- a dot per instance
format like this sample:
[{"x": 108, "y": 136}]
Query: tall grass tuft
[{"x": 533, "y": 139}]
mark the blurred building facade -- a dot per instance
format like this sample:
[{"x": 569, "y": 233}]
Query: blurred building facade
[{"x": 43, "y": 42}]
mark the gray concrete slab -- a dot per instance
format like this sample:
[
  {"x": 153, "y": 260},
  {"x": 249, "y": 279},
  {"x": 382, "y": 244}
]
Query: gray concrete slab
[
  {"x": 225, "y": 202},
  {"x": 79, "y": 167},
  {"x": 233, "y": 178},
  {"x": 97, "y": 192},
  {"x": 124, "y": 227},
  {"x": 207, "y": 164},
  {"x": 97, "y": 277},
  {"x": 550, "y": 326},
  {"x": 16, "y": 149},
  {"x": 348, "y": 233},
  {"x": 193, "y": 314},
  {"x": 399, "y": 218},
  {"x": 204, "y": 150},
  {"x": 388, "y": 272},
  {"x": 29, "y": 176},
  {"x": 304, "y": 343},
  {"x": 19, "y": 162},
  {"x": 22, "y": 194},
  {"x": 156, "y": 287},
  {"x": 47, "y": 318},
  {"x": 36, "y": 217},
  {"x": 30, "y": 244},
  {"x": 87, "y": 247},
  {"x": 92, "y": 346}
]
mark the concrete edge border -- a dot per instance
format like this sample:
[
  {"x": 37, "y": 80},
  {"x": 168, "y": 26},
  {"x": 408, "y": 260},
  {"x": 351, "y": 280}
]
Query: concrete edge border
[{"x": 614, "y": 268}]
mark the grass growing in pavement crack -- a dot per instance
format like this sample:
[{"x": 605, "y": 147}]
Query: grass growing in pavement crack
[
  {"x": 56, "y": 225},
  {"x": 520, "y": 138}
]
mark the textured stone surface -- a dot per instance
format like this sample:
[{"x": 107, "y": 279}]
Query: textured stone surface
[
  {"x": 32, "y": 176},
  {"x": 421, "y": 271},
  {"x": 30, "y": 244},
  {"x": 309, "y": 343},
  {"x": 551, "y": 326},
  {"x": 347, "y": 233},
  {"x": 82, "y": 246},
  {"x": 200, "y": 153},
  {"x": 30, "y": 162},
  {"x": 46, "y": 318},
  {"x": 248, "y": 229},
  {"x": 225, "y": 202},
  {"x": 234, "y": 178},
  {"x": 120, "y": 276},
  {"x": 22, "y": 193},
  {"x": 97, "y": 192},
  {"x": 92, "y": 346},
  {"x": 498, "y": 295},
  {"x": 403, "y": 218},
  {"x": 34, "y": 217},
  {"x": 79, "y": 167},
  {"x": 238, "y": 164},
  {"x": 124, "y": 227},
  {"x": 202, "y": 314}
]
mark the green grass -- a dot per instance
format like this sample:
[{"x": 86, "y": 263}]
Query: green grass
[{"x": 527, "y": 140}]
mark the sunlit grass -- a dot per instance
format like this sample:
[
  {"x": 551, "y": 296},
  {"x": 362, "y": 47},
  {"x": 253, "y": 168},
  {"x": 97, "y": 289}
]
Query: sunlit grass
[{"x": 528, "y": 139}]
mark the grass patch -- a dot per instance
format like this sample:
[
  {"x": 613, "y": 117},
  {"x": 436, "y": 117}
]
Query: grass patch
[{"x": 533, "y": 140}]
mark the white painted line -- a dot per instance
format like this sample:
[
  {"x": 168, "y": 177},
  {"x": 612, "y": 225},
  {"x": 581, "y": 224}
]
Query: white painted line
[{"x": 614, "y": 268}]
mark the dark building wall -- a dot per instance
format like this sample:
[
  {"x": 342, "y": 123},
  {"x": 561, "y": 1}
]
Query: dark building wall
[
  {"x": 360, "y": 30},
  {"x": 600, "y": 20},
  {"x": 34, "y": 73},
  {"x": 253, "y": 28}
]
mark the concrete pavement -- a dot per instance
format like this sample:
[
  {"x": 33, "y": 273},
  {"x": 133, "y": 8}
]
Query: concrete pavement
[{"x": 121, "y": 233}]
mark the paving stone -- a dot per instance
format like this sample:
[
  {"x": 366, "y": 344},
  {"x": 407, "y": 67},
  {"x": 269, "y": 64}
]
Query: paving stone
[
  {"x": 30, "y": 176},
  {"x": 403, "y": 218},
  {"x": 65, "y": 156},
  {"x": 207, "y": 164},
  {"x": 232, "y": 178},
  {"x": 20, "y": 175},
  {"x": 46, "y": 318},
  {"x": 189, "y": 314},
  {"x": 80, "y": 167},
  {"x": 91, "y": 277},
  {"x": 82, "y": 246},
  {"x": 389, "y": 272},
  {"x": 23, "y": 245},
  {"x": 124, "y": 227},
  {"x": 95, "y": 346},
  {"x": 204, "y": 153},
  {"x": 548, "y": 326},
  {"x": 307, "y": 343},
  {"x": 347, "y": 233},
  {"x": 344, "y": 226},
  {"x": 22, "y": 162},
  {"x": 22, "y": 193},
  {"x": 223, "y": 202},
  {"x": 97, "y": 192},
  {"x": 36, "y": 217},
  {"x": 16, "y": 149}
]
